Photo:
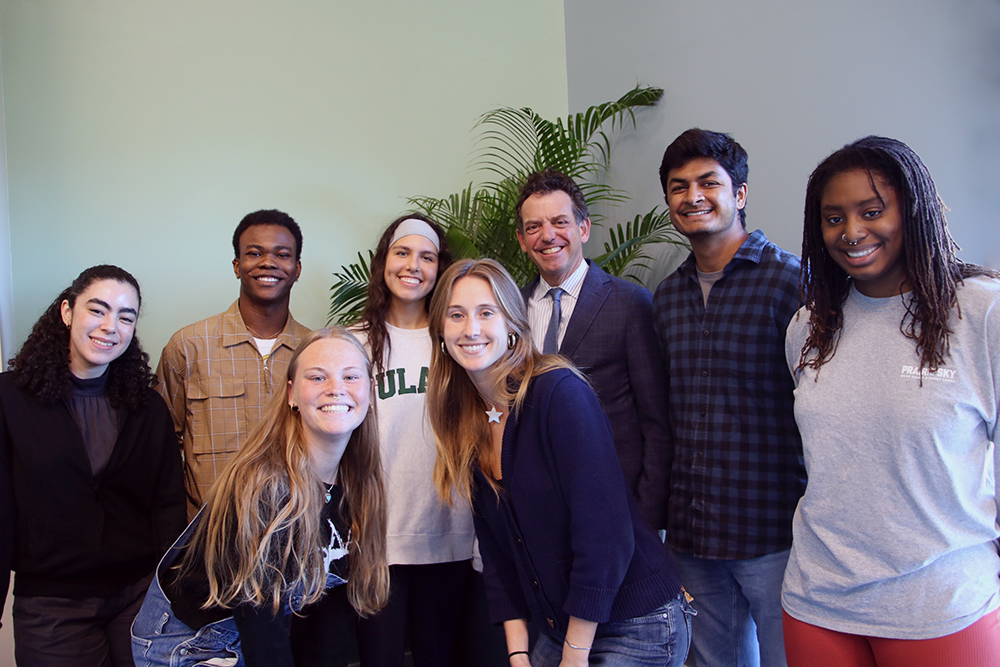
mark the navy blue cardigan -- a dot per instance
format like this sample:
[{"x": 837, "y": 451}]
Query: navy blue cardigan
[{"x": 564, "y": 538}]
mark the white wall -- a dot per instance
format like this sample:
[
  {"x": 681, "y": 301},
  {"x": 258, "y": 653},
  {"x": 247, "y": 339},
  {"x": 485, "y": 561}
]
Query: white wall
[
  {"x": 793, "y": 81},
  {"x": 140, "y": 133}
]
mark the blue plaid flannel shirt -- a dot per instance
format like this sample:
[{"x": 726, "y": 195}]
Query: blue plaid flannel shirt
[{"x": 737, "y": 470}]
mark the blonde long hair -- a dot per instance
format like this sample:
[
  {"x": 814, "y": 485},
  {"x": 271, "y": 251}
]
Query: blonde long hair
[
  {"x": 453, "y": 403},
  {"x": 259, "y": 536}
]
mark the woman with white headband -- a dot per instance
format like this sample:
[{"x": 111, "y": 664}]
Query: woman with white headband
[{"x": 429, "y": 543}]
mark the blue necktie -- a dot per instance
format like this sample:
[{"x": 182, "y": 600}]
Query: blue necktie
[{"x": 551, "y": 345}]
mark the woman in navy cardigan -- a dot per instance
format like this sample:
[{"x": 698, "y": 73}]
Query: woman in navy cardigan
[{"x": 522, "y": 437}]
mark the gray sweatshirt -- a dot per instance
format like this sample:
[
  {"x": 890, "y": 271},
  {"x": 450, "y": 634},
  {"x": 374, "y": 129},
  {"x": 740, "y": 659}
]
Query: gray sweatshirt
[{"x": 895, "y": 535}]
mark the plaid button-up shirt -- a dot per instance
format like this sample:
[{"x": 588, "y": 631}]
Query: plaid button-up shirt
[
  {"x": 737, "y": 470},
  {"x": 217, "y": 385}
]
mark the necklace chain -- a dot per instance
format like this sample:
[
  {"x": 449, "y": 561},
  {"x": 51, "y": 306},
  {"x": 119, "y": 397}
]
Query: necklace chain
[{"x": 257, "y": 335}]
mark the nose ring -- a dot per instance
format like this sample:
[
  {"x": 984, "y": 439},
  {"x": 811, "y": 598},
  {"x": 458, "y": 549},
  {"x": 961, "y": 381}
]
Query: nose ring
[{"x": 844, "y": 238}]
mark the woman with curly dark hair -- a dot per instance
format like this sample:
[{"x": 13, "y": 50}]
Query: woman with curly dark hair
[
  {"x": 429, "y": 544},
  {"x": 91, "y": 492},
  {"x": 896, "y": 362}
]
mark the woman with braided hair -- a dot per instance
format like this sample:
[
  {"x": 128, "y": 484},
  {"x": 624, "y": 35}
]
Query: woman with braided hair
[{"x": 896, "y": 360}]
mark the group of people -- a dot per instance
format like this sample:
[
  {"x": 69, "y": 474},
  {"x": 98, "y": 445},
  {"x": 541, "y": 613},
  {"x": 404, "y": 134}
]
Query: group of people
[{"x": 811, "y": 438}]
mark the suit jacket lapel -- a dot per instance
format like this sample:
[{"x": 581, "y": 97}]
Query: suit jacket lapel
[
  {"x": 593, "y": 293},
  {"x": 529, "y": 289}
]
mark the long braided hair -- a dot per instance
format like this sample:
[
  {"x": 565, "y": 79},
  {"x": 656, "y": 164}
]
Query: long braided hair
[{"x": 933, "y": 270}]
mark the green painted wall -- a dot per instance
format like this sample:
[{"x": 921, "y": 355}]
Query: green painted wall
[{"x": 140, "y": 133}]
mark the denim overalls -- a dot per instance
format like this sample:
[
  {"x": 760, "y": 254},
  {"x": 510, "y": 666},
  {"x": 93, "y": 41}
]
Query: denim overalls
[{"x": 160, "y": 639}]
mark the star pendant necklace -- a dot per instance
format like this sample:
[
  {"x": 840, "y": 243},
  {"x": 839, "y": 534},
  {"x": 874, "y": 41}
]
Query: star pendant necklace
[{"x": 493, "y": 414}]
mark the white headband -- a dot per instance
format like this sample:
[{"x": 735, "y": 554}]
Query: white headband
[{"x": 418, "y": 227}]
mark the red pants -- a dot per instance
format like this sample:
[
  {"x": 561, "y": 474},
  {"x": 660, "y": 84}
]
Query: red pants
[{"x": 810, "y": 646}]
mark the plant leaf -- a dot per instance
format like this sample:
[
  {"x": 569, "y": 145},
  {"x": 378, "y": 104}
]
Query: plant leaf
[
  {"x": 511, "y": 143},
  {"x": 350, "y": 292}
]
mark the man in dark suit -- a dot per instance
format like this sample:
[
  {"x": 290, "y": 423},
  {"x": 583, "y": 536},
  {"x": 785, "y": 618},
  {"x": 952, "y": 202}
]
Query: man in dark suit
[{"x": 602, "y": 323}]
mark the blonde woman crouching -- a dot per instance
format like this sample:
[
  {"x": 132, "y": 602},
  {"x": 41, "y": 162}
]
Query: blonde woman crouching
[{"x": 245, "y": 583}]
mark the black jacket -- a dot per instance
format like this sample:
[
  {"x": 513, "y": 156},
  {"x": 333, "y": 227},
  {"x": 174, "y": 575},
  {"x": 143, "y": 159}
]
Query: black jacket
[{"x": 67, "y": 533}]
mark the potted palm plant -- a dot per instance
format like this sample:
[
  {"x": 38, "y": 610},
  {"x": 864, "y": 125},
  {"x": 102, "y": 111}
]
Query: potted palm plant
[{"x": 480, "y": 221}]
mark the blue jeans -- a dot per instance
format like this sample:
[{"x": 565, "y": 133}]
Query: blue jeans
[
  {"x": 658, "y": 639},
  {"x": 739, "y": 609},
  {"x": 159, "y": 638}
]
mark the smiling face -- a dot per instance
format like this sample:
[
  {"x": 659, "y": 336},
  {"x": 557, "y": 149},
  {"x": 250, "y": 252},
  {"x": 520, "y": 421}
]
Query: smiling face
[
  {"x": 552, "y": 238},
  {"x": 411, "y": 268},
  {"x": 332, "y": 390},
  {"x": 101, "y": 325},
  {"x": 474, "y": 329},
  {"x": 863, "y": 231},
  {"x": 701, "y": 199},
  {"x": 267, "y": 267}
]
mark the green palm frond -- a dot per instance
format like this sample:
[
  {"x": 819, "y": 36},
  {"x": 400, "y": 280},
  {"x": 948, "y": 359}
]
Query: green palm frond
[
  {"x": 625, "y": 249},
  {"x": 515, "y": 142},
  {"x": 350, "y": 291},
  {"x": 511, "y": 143}
]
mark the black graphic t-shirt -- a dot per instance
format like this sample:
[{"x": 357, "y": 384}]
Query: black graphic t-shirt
[{"x": 188, "y": 593}]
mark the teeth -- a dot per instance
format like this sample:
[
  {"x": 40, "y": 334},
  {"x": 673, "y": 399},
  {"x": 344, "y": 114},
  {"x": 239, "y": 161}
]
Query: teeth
[
  {"x": 335, "y": 408},
  {"x": 267, "y": 279},
  {"x": 861, "y": 253},
  {"x": 102, "y": 343},
  {"x": 549, "y": 251},
  {"x": 409, "y": 281},
  {"x": 474, "y": 348},
  {"x": 693, "y": 214}
]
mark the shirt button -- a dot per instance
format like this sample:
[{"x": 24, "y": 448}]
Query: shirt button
[
  {"x": 707, "y": 332},
  {"x": 704, "y": 374},
  {"x": 703, "y": 413},
  {"x": 534, "y": 583}
]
